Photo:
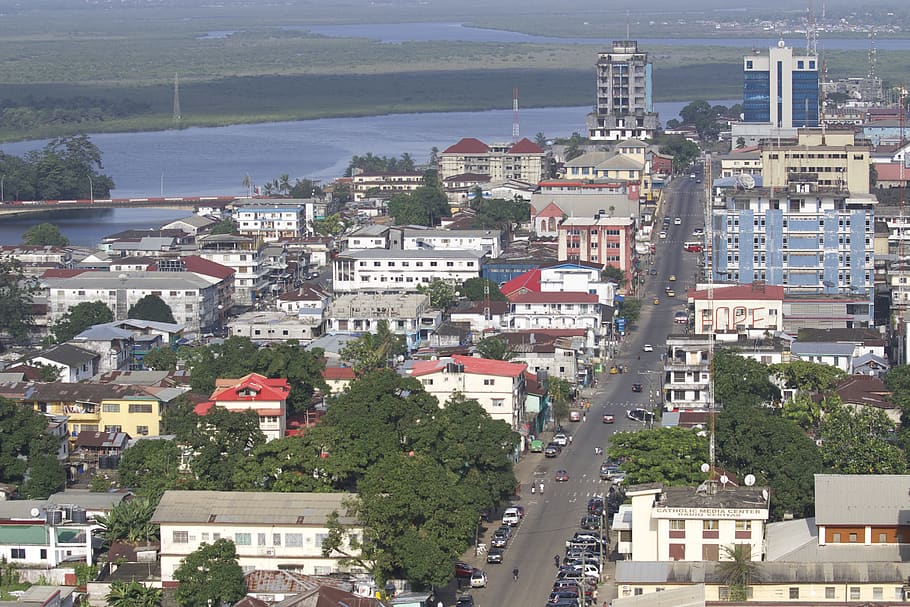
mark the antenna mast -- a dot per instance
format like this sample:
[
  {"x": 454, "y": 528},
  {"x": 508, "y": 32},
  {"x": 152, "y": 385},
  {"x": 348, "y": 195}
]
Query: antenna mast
[
  {"x": 811, "y": 31},
  {"x": 515, "y": 129},
  {"x": 176, "y": 101}
]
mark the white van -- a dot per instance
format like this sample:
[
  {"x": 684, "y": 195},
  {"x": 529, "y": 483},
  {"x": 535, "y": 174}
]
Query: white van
[{"x": 511, "y": 517}]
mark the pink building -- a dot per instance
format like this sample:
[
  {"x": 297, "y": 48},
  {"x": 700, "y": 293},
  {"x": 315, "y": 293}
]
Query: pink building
[{"x": 608, "y": 242}]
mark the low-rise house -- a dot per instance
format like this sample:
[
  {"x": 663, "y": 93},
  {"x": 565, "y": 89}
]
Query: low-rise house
[
  {"x": 409, "y": 315},
  {"x": 555, "y": 310},
  {"x": 429, "y": 239},
  {"x": 266, "y": 396},
  {"x": 739, "y": 309},
  {"x": 373, "y": 236},
  {"x": 482, "y": 316},
  {"x": 193, "y": 225},
  {"x": 278, "y": 586},
  {"x": 497, "y": 385},
  {"x": 273, "y": 326},
  {"x": 74, "y": 364},
  {"x": 272, "y": 220},
  {"x": 558, "y": 353},
  {"x": 100, "y": 449},
  {"x": 338, "y": 378},
  {"x": 861, "y": 391},
  {"x": 382, "y": 271},
  {"x": 113, "y": 345},
  {"x": 36, "y": 260},
  {"x": 269, "y": 530},
  {"x": 46, "y": 596},
  {"x": 307, "y": 298},
  {"x": 687, "y": 372}
]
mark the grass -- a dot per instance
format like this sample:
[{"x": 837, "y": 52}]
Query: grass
[{"x": 264, "y": 73}]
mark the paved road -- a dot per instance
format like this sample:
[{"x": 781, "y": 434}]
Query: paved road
[{"x": 554, "y": 516}]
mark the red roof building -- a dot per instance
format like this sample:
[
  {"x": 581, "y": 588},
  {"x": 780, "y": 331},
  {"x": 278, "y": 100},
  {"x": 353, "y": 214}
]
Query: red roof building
[
  {"x": 738, "y": 308},
  {"x": 529, "y": 282},
  {"x": 266, "y": 396},
  {"x": 467, "y": 145},
  {"x": 521, "y": 161},
  {"x": 546, "y": 222}
]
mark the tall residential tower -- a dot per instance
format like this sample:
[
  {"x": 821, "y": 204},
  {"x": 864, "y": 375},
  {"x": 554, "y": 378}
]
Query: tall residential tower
[{"x": 623, "y": 109}]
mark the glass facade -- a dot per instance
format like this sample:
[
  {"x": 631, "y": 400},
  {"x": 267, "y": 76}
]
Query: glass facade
[
  {"x": 757, "y": 97},
  {"x": 805, "y": 99}
]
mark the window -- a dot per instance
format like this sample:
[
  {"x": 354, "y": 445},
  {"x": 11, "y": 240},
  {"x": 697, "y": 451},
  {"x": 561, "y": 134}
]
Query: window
[
  {"x": 276, "y": 539},
  {"x": 17, "y": 553},
  {"x": 243, "y": 539},
  {"x": 709, "y": 525},
  {"x": 142, "y": 430},
  {"x": 141, "y": 408},
  {"x": 498, "y": 402},
  {"x": 878, "y": 593},
  {"x": 852, "y": 538},
  {"x": 489, "y": 382},
  {"x": 181, "y": 537},
  {"x": 216, "y": 537},
  {"x": 260, "y": 539},
  {"x": 321, "y": 537},
  {"x": 426, "y": 382},
  {"x": 829, "y": 592},
  {"x": 744, "y": 525},
  {"x": 293, "y": 540},
  {"x": 42, "y": 553},
  {"x": 882, "y": 538},
  {"x": 794, "y": 593},
  {"x": 677, "y": 524},
  {"x": 836, "y": 538},
  {"x": 854, "y": 593},
  {"x": 110, "y": 407}
]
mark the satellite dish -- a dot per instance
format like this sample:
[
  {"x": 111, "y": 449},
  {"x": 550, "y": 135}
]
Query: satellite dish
[
  {"x": 724, "y": 479},
  {"x": 747, "y": 181},
  {"x": 34, "y": 512},
  {"x": 705, "y": 467},
  {"x": 764, "y": 494},
  {"x": 749, "y": 480}
]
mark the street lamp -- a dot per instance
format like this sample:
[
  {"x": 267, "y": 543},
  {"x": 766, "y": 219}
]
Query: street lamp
[{"x": 91, "y": 189}]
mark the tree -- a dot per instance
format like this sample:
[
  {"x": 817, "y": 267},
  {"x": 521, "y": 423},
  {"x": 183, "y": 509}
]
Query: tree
[
  {"x": 24, "y": 438},
  {"x": 808, "y": 376},
  {"x": 614, "y": 275},
  {"x": 149, "y": 467},
  {"x": 210, "y": 575},
  {"x": 305, "y": 188},
  {"x": 500, "y": 214},
  {"x": 441, "y": 293},
  {"x": 703, "y": 117},
  {"x": 898, "y": 381},
  {"x": 45, "y": 476},
  {"x": 333, "y": 225},
  {"x": 48, "y": 373},
  {"x": 683, "y": 151},
  {"x": 804, "y": 410},
  {"x": 225, "y": 226},
  {"x": 672, "y": 456},
  {"x": 161, "y": 359},
  {"x": 494, "y": 348},
  {"x": 630, "y": 309},
  {"x": 67, "y": 167},
  {"x": 740, "y": 143},
  {"x": 44, "y": 234},
  {"x": 130, "y": 521},
  {"x": 472, "y": 289},
  {"x": 860, "y": 442},
  {"x": 541, "y": 140},
  {"x": 424, "y": 206},
  {"x": 373, "y": 351},
  {"x": 737, "y": 570},
  {"x": 79, "y": 318},
  {"x": 132, "y": 594},
  {"x": 16, "y": 293},
  {"x": 151, "y": 307},
  {"x": 560, "y": 393},
  {"x": 220, "y": 442},
  {"x": 753, "y": 439},
  {"x": 740, "y": 380}
]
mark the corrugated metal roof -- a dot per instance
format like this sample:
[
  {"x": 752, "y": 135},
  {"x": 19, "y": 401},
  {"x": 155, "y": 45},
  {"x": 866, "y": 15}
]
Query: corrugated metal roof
[
  {"x": 23, "y": 535},
  {"x": 862, "y": 499},
  {"x": 259, "y": 508},
  {"x": 711, "y": 572}
]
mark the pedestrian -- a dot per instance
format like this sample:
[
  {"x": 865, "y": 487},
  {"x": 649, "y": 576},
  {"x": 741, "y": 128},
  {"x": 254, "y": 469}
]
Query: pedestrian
[
  {"x": 541, "y": 487},
  {"x": 556, "y": 560},
  {"x": 515, "y": 574},
  {"x": 439, "y": 603},
  {"x": 584, "y": 418}
]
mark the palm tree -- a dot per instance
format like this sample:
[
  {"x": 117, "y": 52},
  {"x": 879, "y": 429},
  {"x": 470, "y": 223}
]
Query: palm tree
[
  {"x": 494, "y": 348},
  {"x": 560, "y": 391},
  {"x": 130, "y": 521},
  {"x": 133, "y": 594},
  {"x": 284, "y": 183},
  {"x": 737, "y": 571}
]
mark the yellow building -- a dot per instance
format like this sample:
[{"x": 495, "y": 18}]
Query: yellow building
[
  {"x": 826, "y": 158},
  {"x": 98, "y": 407}
]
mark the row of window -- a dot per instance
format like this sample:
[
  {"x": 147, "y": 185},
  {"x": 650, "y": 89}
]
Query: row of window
[
  {"x": 418, "y": 264},
  {"x": 133, "y": 408},
  {"x": 709, "y": 525},
  {"x": 140, "y": 430},
  {"x": 291, "y": 540}
]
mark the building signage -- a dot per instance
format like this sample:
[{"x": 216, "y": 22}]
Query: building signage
[{"x": 711, "y": 513}]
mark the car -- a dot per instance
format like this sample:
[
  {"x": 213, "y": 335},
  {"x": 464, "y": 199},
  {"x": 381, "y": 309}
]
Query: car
[
  {"x": 495, "y": 555},
  {"x": 505, "y": 529},
  {"x": 558, "y": 595},
  {"x": 698, "y": 181},
  {"x": 465, "y": 600},
  {"x": 698, "y": 232},
  {"x": 588, "y": 521},
  {"x": 463, "y": 570},
  {"x": 520, "y": 510},
  {"x": 478, "y": 579},
  {"x": 574, "y": 416},
  {"x": 561, "y": 476},
  {"x": 499, "y": 540},
  {"x": 552, "y": 450},
  {"x": 692, "y": 176},
  {"x": 608, "y": 471},
  {"x": 653, "y": 271},
  {"x": 580, "y": 553},
  {"x": 511, "y": 517},
  {"x": 608, "y": 418},
  {"x": 636, "y": 388},
  {"x": 567, "y": 602},
  {"x": 640, "y": 415},
  {"x": 561, "y": 439},
  {"x": 671, "y": 293},
  {"x": 663, "y": 234},
  {"x": 596, "y": 506},
  {"x": 677, "y": 221},
  {"x": 647, "y": 348},
  {"x": 672, "y": 278}
]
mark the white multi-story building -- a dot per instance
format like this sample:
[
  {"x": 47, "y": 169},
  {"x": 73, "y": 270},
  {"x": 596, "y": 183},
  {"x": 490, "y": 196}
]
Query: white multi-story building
[
  {"x": 269, "y": 530},
  {"x": 194, "y": 299},
  {"x": 497, "y": 385},
  {"x": 385, "y": 185},
  {"x": 522, "y": 161},
  {"x": 271, "y": 220},
  {"x": 488, "y": 241},
  {"x": 373, "y": 236},
  {"x": 689, "y": 524},
  {"x": 738, "y": 309},
  {"x": 623, "y": 109},
  {"x": 579, "y": 278},
  {"x": 270, "y": 326},
  {"x": 381, "y": 270},
  {"x": 687, "y": 372},
  {"x": 554, "y": 310},
  {"x": 407, "y": 314},
  {"x": 242, "y": 255}
]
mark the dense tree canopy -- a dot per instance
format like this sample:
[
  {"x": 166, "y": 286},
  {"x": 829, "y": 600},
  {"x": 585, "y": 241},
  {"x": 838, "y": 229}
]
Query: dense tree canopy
[
  {"x": 424, "y": 206},
  {"x": 26, "y": 448},
  {"x": 149, "y": 467},
  {"x": 133, "y": 594},
  {"x": 495, "y": 348},
  {"x": 66, "y": 167},
  {"x": 44, "y": 234},
  {"x": 373, "y": 351},
  {"x": 130, "y": 521},
  {"x": 740, "y": 380},
  {"x": 808, "y": 376},
  {"x": 500, "y": 214},
  {"x": 860, "y": 442},
  {"x": 151, "y": 307},
  {"x": 672, "y": 456},
  {"x": 210, "y": 575},
  {"x": 683, "y": 151},
  {"x": 79, "y": 318},
  {"x": 225, "y": 226},
  {"x": 16, "y": 293},
  {"x": 369, "y": 163},
  {"x": 442, "y": 294},
  {"x": 472, "y": 289}
]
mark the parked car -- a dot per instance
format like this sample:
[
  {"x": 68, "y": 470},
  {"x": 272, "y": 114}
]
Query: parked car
[
  {"x": 478, "y": 579},
  {"x": 552, "y": 450},
  {"x": 653, "y": 271},
  {"x": 663, "y": 234},
  {"x": 589, "y": 521},
  {"x": 511, "y": 517},
  {"x": 499, "y": 540},
  {"x": 562, "y": 476},
  {"x": 465, "y": 600},
  {"x": 647, "y": 348},
  {"x": 495, "y": 556},
  {"x": 640, "y": 415},
  {"x": 574, "y": 416},
  {"x": 608, "y": 418},
  {"x": 608, "y": 470},
  {"x": 463, "y": 570},
  {"x": 596, "y": 505},
  {"x": 561, "y": 439}
]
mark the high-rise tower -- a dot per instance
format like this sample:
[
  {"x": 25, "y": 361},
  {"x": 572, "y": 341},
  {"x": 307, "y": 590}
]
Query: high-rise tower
[{"x": 623, "y": 109}]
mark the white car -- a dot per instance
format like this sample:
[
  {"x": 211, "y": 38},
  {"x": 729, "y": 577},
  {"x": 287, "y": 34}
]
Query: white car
[
  {"x": 698, "y": 232},
  {"x": 479, "y": 579},
  {"x": 511, "y": 517},
  {"x": 561, "y": 439},
  {"x": 663, "y": 234},
  {"x": 648, "y": 348},
  {"x": 677, "y": 221}
]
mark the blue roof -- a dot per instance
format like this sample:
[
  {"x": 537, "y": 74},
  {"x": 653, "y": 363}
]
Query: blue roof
[{"x": 820, "y": 348}]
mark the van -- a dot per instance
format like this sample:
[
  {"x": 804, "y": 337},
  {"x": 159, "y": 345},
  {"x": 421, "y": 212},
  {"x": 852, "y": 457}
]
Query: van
[{"x": 536, "y": 446}]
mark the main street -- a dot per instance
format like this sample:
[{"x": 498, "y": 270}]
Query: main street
[{"x": 553, "y": 517}]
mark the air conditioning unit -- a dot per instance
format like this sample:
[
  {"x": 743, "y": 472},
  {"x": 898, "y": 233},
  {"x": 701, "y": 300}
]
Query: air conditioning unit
[{"x": 270, "y": 552}]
